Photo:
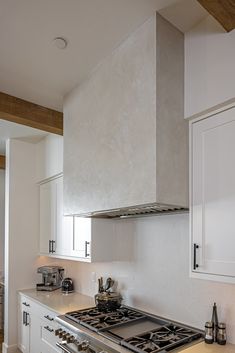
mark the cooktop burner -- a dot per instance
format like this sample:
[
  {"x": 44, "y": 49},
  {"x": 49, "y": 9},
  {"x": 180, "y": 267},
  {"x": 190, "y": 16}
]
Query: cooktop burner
[
  {"x": 101, "y": 320},
  {"x": 167, "y": 337}
]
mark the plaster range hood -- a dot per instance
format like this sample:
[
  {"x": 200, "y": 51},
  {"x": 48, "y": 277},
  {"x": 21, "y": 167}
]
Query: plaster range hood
[{"x": 125, "y": 137}]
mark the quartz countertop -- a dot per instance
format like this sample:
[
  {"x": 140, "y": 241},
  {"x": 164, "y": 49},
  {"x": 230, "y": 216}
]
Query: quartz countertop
[
  {"x": 62, "y": 303},
  {"x": 210, "y": 348},
  {"x": 58, "y": 301}
]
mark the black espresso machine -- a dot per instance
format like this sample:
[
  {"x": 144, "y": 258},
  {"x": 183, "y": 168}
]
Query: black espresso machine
[{"x": 52, "y": 277}]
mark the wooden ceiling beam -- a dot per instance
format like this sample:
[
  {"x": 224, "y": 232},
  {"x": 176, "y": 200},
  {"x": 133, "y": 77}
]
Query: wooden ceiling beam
[
  {"x": 222, "y": 10},
  {"x": 26, "y": 113},
  {"x": 2, "y": 162}
]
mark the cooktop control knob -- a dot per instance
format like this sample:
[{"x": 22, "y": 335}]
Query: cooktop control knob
[
  {"x": 83, "y": 345},
  {"x": 61, "y": 333},
  {"x": 65, "y": 335},
  {"x": 70, "y": 339},
  {"x": 57, "y": 331}
]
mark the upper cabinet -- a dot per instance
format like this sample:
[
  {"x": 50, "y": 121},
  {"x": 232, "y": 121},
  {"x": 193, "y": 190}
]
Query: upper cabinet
[
  {"x": 49, "y": 157},
  {"x": 125, "y": 139},
  {"x": 213, "y": 197},
  {"x": 78, "y": 238}
]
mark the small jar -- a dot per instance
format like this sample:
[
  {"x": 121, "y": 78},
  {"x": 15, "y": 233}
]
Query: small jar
[
  {"x": 221, "y": 334},
  {"x": 209, "y": 332}
]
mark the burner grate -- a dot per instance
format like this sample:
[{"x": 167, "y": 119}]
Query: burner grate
[
  {"x": 164, "y": 338},
  {"x": 97, "y": 320}
]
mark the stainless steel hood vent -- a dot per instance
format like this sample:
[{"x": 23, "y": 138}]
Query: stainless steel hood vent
[{"x": 138, "y": 211}]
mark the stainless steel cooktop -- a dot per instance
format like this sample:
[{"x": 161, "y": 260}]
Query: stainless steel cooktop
[{"x": 135, "y": 330}]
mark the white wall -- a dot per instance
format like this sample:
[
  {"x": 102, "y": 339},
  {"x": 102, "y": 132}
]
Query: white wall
[
  {"x": 2, "y": 219},
  {"x": 158, "y": 280},
  {"x": 209, "y": 66},
  {"x": 22, "y": 230}
]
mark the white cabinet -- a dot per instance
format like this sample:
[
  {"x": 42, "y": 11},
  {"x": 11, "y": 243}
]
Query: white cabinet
[
  {"x": 49, "y": 157},
  {"x": 24, "y": 326},
  {"x": 56, "y": 231},
  {"x": 28, "y": 326},
  {"x": 36, "y": 327},
  {"x": 213, "y": 197},
  {"x": 78, "y": 238}
]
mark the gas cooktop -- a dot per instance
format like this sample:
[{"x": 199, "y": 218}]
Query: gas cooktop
[
  {"x": 102, "y": 320},
  {"x": 138, "y": 331}
]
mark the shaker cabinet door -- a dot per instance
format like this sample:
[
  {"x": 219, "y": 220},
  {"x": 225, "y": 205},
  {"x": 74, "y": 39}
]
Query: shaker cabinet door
[
  {"x": 47, "y": 215},
  {"x": 64, "y": 225},
  {"x": 82, "y": 237},
  {"x": 213, "y": 195}
]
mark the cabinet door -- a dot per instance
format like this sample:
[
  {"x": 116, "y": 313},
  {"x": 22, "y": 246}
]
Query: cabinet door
[
  {"x": 82, "y": 237},
  {"x": 35, "y": 338},
  {"x": 24, "y": 330},
  {"x": 64, "y": 225},
  {"x": 47, "y": 215},
  {"x": 213, "y": 194}
]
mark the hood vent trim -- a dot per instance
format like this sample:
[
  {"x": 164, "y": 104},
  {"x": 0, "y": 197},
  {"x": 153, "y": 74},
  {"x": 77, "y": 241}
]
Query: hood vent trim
[{"x": 137, "y": 211}]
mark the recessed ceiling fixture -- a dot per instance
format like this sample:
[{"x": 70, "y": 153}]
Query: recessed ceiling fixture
[{"x": 60, "y": 42}]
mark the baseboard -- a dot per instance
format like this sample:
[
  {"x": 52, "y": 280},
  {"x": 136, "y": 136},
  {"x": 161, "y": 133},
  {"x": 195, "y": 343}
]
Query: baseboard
[{"x": 9, "y": 349}]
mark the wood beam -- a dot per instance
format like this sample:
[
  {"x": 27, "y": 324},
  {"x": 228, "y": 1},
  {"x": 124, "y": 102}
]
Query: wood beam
[
  {"x": 2, "y": 162},
  {"x": 26, "y": 113},
  {"x": 222, "y": 10}
]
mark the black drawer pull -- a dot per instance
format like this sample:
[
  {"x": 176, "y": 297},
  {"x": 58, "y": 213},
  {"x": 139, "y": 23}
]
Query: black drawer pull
[
  {"x": 49, "y": 318},
  {"x": 48, "y": 329},
  {"x": 25, "y": 304}
]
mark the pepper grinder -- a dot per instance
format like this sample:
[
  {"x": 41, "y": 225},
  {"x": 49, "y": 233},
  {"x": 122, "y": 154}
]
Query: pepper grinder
[
  {"x": 214, "y": 321},
  {"x": 221, "y": 334},
  {"x": 209, "y": 337}
]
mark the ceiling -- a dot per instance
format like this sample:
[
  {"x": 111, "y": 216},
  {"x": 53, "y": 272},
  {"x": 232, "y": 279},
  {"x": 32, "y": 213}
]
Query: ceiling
[
  {"x": 12, "y": 130},
  {"x": 32, "y": 68}
]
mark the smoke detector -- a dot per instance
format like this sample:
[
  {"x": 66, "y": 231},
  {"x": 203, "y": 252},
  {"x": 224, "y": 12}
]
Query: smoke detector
[{"x": 60, "y": 42}]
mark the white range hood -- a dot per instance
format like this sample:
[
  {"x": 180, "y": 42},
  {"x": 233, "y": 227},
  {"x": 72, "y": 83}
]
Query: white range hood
[{"x": 125, "y": 138}]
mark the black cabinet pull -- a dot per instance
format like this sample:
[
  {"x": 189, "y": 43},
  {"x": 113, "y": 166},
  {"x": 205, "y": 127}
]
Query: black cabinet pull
[
  {"x": 49, "y": 318},
  {"x": 53, "y": 246},
  {"x": 86, "y": 245},
  {"x": 48, "y": 329},
  {"x": 26, "y": 319},
  {"x": 25, "y": 304},
  {"x": 49, "y": 246},
  {"x": 195, "y": 265}
]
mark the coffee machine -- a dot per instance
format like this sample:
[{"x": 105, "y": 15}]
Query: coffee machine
[{"x": 52, "y": 277}]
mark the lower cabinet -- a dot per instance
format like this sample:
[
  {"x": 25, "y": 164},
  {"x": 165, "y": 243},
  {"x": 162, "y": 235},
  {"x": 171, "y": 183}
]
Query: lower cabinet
[{"x": 36, "y": 327}]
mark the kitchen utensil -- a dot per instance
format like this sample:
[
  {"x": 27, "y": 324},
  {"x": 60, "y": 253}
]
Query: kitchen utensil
[
  {"x": 209, "y": 337},
  {"x": 100, "y": 285},
  {"x": 109, "y": 283},
  {"x": 108, "y": 300},
  {"x": 221, "y": 334},
  {"x": 67, "y": 286}
]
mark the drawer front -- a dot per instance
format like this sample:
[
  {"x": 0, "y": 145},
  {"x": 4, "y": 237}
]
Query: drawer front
[
  {"x": 26, "y": 304},
  {"x": 48, "y": 334}
]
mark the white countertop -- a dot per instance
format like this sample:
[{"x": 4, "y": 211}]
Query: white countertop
[
  {"x": 210, "y": 348},
  {"x": 58, "y": 301},
  {"x": 62, "y": 303}
]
